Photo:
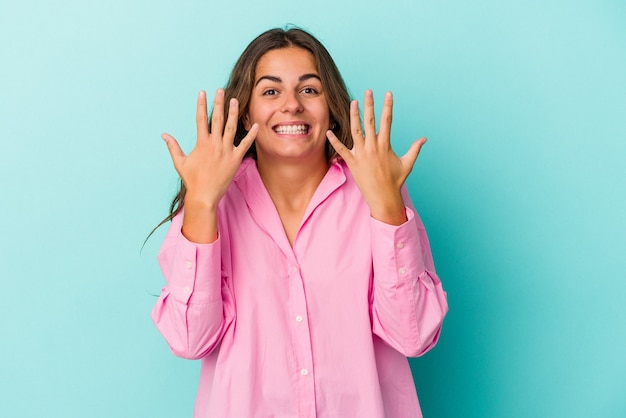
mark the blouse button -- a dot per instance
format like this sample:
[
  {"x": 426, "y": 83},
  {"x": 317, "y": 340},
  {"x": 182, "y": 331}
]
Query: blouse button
[
  {"x": 304, "y": 372},
  {"x": 298, "y": 318},
  {"x": 402, "y": 271},
  {"x": 189, "y": 264},
  {"x": 400, "y": 245}
]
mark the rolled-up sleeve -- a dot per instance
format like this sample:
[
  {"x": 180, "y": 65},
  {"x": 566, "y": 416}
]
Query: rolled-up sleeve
[
  {"x": 195, "y": 306},
  {"x": 408, "y": 302}
]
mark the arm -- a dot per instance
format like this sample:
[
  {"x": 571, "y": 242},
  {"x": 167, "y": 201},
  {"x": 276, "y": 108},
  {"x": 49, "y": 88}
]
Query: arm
[
  {"x": 196, "y": 305},
  {"x": 408, "y": 303}
]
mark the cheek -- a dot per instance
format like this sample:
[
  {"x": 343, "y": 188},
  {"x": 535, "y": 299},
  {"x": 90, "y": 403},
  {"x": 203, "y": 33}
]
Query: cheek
[
  {"x": 258, "y": 114},
  {"x": 326, "y": 118},
  {"x": 325, "y": 111}
]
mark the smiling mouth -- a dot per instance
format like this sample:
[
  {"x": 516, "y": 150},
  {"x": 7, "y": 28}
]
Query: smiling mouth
[{"x": 292, "y": 129}]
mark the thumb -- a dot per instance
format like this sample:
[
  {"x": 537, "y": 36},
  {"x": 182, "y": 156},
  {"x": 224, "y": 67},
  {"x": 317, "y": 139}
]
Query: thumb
[
  {"x": 176, "y": 152},
  {"x": 341, "y": 149},
  {"x": 410, "y": 157},
  {"x": 247, "y": 141}
]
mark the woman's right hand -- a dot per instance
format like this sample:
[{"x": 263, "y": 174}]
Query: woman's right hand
[{"x": 210, "y": 167}]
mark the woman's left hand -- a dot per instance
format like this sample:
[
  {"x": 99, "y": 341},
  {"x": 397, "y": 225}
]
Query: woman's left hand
[{"x": 377, "y": 170}]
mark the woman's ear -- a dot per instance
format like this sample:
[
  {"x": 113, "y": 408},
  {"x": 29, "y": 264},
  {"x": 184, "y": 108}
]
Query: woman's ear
[{"x": 246, "y": 122}]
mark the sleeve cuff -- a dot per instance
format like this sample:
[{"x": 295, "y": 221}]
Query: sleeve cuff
[
  {"x": 192, "y": 271},
  {"x": 396, "y": 250}
]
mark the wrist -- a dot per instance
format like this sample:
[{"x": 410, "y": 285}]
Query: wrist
[
  {"x": 201, "y": 202},
  {"x": 390, "y": 210},
  {"x": 200, "y": 221}
]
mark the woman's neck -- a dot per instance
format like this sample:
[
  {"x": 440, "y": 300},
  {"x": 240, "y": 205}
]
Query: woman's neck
[{"x": 292, "y": 184}]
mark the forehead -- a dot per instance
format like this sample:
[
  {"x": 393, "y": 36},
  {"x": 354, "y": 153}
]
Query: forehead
[{"x": 286, "y": 61}]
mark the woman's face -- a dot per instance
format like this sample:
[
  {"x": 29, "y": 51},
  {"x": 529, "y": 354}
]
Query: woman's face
[{"x": 289, "y": 105}]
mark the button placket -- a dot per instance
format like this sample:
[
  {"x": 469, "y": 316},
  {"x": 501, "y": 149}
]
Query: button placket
[{"x": 301, "y": 333}]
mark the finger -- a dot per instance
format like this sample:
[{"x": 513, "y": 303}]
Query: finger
[
  {"x": 339, "y": 146},
  {"x": 217, "y": 118},
  {"x": 386, "y": 117},
  {"x": 369, "y": 119},
  {"x": 176, "y": 152},
  {"x": 408, "y": 159},
  {"x": 231, "y": 122},
  {"x": 247, "y": 141},
  {"x": 355, "y": 123},
  {"x": 202, "y": 125}
]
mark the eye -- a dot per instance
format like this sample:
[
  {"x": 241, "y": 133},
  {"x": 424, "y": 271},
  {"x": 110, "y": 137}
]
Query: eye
[
  {"x": 309, "y": 90},
  {"x": 270, "y": 92}
]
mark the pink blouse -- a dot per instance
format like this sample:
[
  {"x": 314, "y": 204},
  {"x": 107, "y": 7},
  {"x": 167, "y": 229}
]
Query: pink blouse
[{"x": 321, "y": 329}]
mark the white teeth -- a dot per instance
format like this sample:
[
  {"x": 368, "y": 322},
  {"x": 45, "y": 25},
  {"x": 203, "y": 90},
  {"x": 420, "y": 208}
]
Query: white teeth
[{"x": 292, "y": 129}]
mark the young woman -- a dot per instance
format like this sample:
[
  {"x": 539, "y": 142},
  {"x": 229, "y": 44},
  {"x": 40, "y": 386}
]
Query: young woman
[{"x": 297, "y": 268}]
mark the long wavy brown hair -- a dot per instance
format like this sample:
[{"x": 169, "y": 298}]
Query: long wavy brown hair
[{"x": 241, "y": 83}]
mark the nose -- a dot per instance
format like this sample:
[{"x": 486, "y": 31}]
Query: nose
[{"x": 291, "y": 103}]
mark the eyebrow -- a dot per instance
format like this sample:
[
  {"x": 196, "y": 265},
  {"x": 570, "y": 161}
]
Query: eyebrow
[{"x": 275, "y": 79}]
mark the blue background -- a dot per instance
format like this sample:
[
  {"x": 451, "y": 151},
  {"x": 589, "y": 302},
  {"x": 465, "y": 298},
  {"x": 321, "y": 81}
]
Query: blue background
[{"x": 521, "y": 186}]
